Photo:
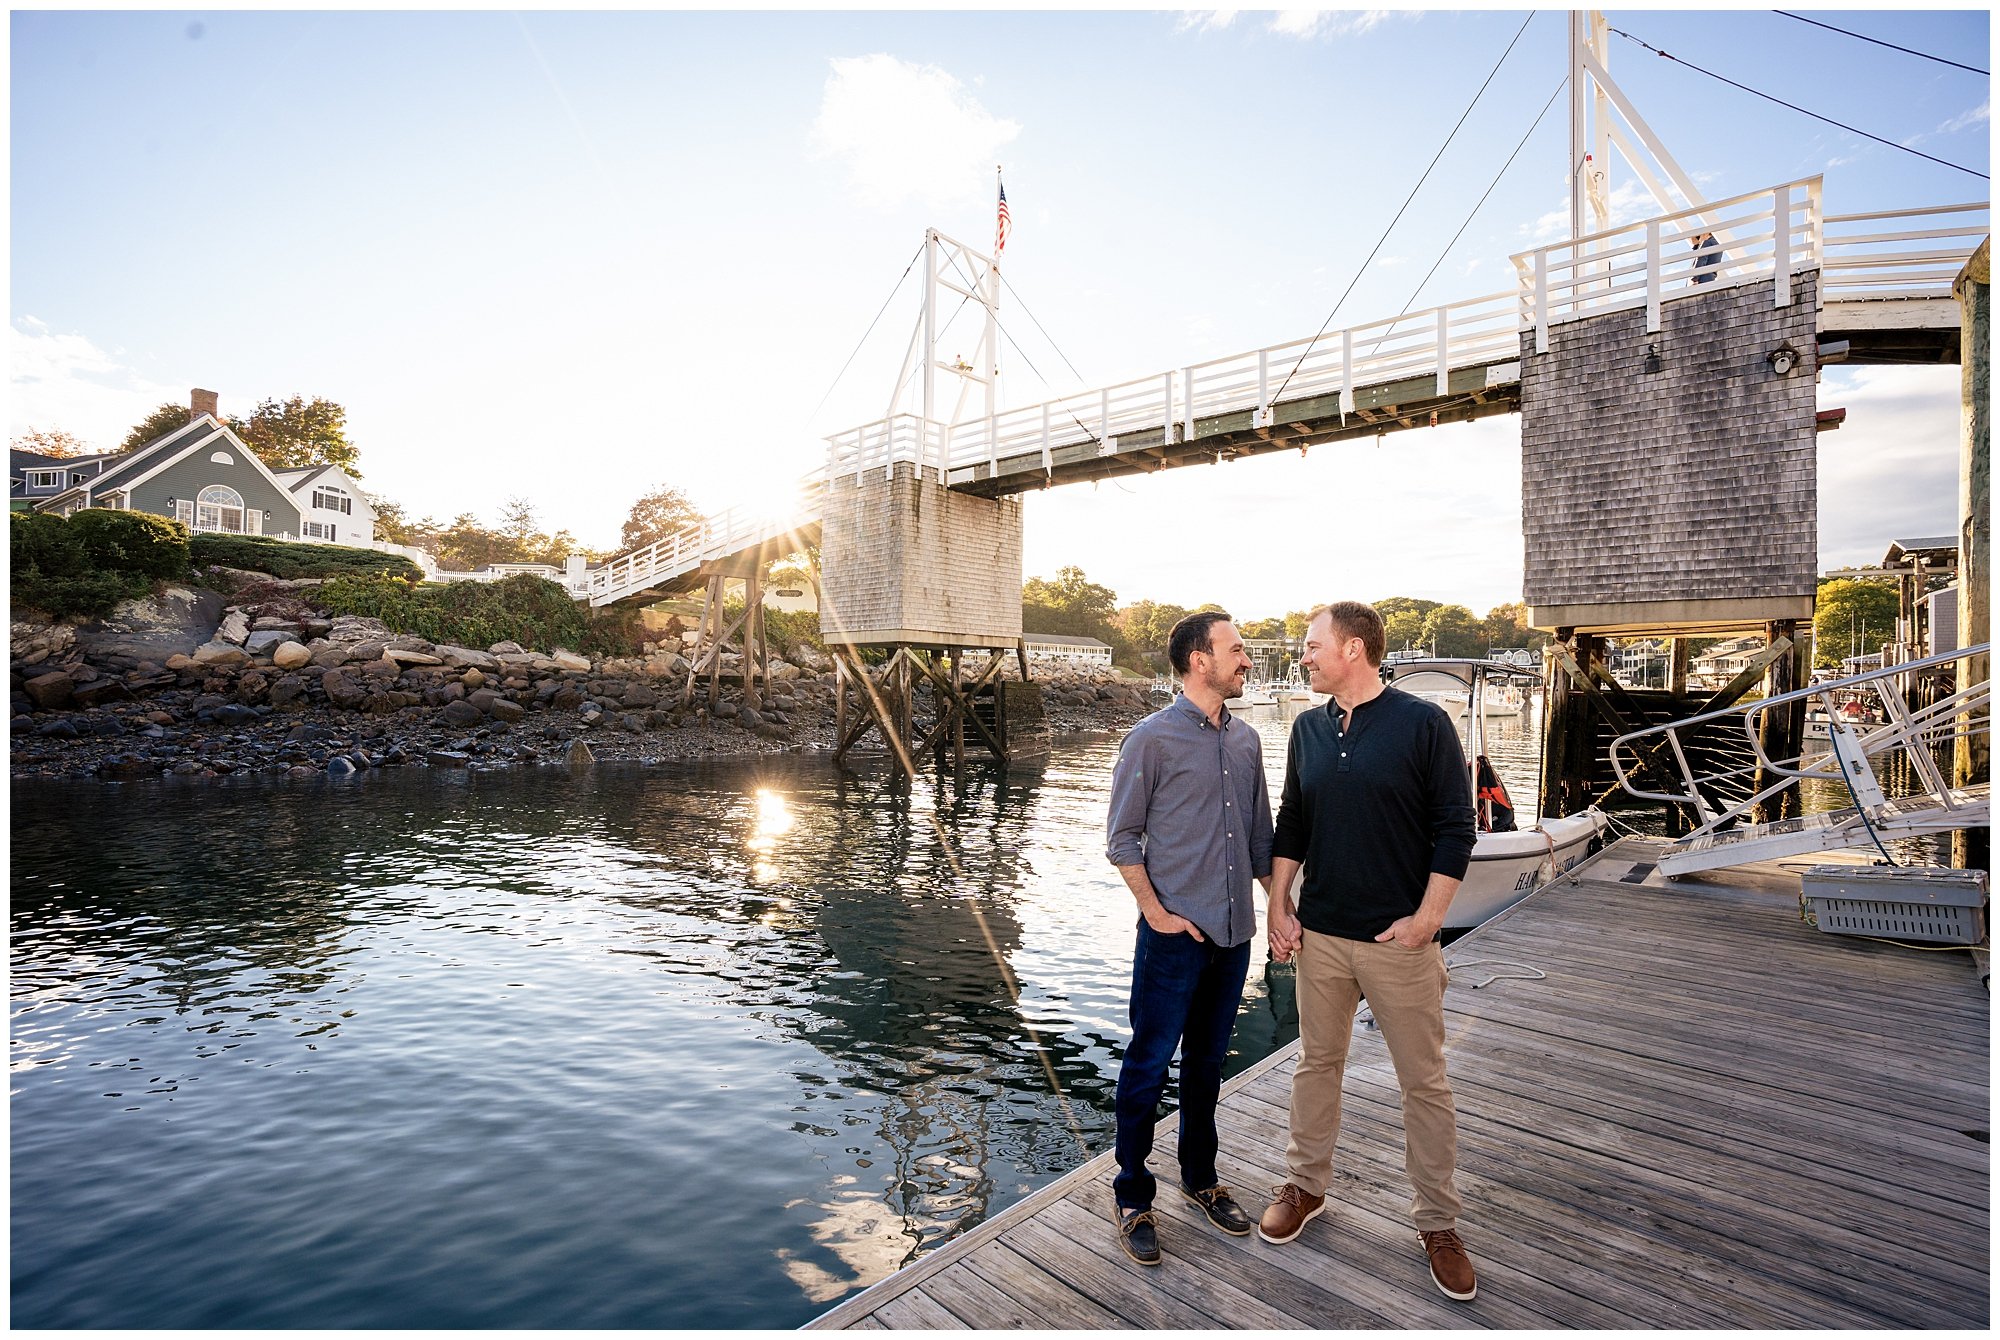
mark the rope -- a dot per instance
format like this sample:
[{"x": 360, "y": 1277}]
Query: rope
[
  {"x": 1363, "y": 269},
  {"x": 1880, "y": 43},
  {"x": 1527, "y": 973},
  {"x": 1802, "y": 111}
]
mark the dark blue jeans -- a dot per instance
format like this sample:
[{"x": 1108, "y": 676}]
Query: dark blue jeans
[{"x": 1185, "y": 992}]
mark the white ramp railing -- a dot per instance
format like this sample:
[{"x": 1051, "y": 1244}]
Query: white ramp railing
[
  {"x": 711, "y": 538},
  {"x": 1853, "y": 758},
  {"x": 1907, "y": 253}
]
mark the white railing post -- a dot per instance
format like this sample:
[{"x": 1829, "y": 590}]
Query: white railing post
[
  {"x": 992, "y": 449},
  {"x": 1104, "y": 440},
  {"x": 1443, "y": 351},
  {"x": 1347, "y": 371},
  {"x": 1048, "y": 462},
  {"x": 1166, "y": 408},
  {"x": 1263, "y": 419},
  {"x": 1542, "y": 301},
  {"x": 1781, "y": 246},
  {"x": 1187, "y": 403},
  {"x": 1816, "y": 239},
  {"x": 1652, "y": 275}
]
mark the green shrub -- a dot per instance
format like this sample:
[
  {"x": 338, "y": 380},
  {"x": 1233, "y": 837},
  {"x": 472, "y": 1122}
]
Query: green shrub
[
  {"x": 135, "y": 542},
  {"x": 790, "y": 629},
  {"x": 289, "y": 559},
  {"x": 533, "y": 611},
  {"x": 51, "y": 568}
]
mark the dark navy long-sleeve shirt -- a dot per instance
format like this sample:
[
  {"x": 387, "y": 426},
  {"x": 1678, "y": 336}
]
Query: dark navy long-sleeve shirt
[
  {"x": 1188, "y": 802},
  {"x": 1373, "y": 811}
]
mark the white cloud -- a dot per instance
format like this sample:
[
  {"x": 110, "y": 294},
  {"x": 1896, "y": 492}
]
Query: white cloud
[
  {"x": 1630, "y": 202},
  {"x": 1309, "y": 23},
  {"x": 908, "y": 132},
  {"x": 1891, "y": 470},
  {"x": 1204, "y": 20},
  {"x": 66, "y": 381},
  {"x": 1390, "y": 262},
  {"x": 1974, "y": 117}
]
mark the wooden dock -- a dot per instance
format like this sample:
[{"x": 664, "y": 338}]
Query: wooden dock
[{"x": 1706, "y": 1114}]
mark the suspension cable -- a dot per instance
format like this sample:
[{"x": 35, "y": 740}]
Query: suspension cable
[
  {"x": 1880, "y": 43},
  {"x": 1853, "y": 130},
  {"x": 1363, "y": 268},
  {"x": 865, "y": 334},
  {"x": 1038, "y": 326}
]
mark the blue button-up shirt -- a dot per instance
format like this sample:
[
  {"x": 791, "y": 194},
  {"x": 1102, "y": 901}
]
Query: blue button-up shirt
[{"x": 1188, "y": 802}]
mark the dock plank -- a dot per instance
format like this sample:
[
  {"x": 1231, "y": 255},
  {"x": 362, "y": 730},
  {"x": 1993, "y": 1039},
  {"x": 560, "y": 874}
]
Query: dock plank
[{"x": 1707, "y": 1115}]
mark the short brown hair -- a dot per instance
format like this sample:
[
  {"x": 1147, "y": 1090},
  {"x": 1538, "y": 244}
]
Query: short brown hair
[
  {"x": 1191, "y": 635},
  {"x": 1351, "y": 618}
]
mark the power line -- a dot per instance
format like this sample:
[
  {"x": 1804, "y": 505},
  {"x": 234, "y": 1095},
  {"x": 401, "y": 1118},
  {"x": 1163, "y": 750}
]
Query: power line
[
  {"x": 1363, "y": 269},
  {"x": 1802, "y": 111},
  {"x": 1880, "y": 43}
]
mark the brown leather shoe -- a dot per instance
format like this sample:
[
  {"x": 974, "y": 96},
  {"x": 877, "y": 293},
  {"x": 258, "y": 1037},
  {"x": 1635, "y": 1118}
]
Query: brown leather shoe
[
  {"x": 1451, "y": 1268},
  {"x": 1291, "y": 1210}
]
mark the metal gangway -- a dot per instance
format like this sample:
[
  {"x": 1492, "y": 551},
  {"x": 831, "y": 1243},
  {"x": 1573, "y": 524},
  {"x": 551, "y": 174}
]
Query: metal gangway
[{"x": 1855, "y": 756}]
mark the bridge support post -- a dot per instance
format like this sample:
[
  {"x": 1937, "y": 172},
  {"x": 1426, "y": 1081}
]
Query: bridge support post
[
  {"x": 1972, "y": 759},
  {"x": 1782, "y": 732}
]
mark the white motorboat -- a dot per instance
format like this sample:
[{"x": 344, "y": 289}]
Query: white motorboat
[
  {"x": 1508, "y": 863},
  {"x": 1253, "y": 695}
]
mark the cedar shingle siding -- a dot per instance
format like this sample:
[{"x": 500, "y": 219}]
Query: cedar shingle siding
[{"x": 1693, "y": 483}]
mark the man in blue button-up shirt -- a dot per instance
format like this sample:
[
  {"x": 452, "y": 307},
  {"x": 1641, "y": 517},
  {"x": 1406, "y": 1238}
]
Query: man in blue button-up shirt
[{"x": 1190, "y": 828}]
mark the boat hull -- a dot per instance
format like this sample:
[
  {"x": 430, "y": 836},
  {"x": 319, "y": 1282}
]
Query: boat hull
[{"x": 1507, "y": 867}]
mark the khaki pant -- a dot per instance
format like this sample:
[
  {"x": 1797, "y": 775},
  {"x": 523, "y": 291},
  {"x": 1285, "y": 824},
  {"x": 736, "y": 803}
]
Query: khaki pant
[{"x": 1405, "y": 990}]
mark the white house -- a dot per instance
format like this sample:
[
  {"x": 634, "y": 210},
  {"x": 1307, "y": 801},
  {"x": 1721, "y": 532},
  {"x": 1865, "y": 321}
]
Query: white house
[
  {"x": 1067, "y": 652},
  {"x": 332, "y": 507}
]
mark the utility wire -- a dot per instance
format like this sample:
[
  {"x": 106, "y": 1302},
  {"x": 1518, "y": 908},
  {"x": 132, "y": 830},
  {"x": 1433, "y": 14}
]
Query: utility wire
[
  {"x": 1802, "y": 111},
  {"x": 1880, "y": 43},
  {"x": 1363, "y": 269},
  {"x": 865, "y": 334}
]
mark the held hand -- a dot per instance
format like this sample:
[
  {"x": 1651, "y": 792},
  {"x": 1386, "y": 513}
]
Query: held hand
[
  {"x": 1406, "y": 932},
  {"x": 1166, "y": 923},
  {"x": 1284, "y": 935}
]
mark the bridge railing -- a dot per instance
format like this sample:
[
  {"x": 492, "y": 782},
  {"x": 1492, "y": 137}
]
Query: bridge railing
[
  {"x": 1773, "y": 233},
  {"x": 1903, "y": 253},
  {"x": 710, "y": 538}
]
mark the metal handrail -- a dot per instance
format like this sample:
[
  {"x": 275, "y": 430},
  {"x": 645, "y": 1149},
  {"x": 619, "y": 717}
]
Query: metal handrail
[{"x": 1904, "y": 728}]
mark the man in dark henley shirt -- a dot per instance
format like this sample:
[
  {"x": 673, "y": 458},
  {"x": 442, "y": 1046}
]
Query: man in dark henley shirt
[
  {"x": 1377, "y": 808},
  {"x": 1189, "y": 828}
]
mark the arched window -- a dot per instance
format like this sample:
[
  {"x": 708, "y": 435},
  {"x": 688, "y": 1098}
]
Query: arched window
[{"x": 219, "y": 507}]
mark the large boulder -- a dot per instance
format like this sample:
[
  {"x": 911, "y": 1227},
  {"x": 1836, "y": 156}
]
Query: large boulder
[
  {"x": 569, "y": 660},
  {"x": 174, "y": 622},
  {"x": 235, "y": 627},
  {"x": 342, "y": 691},
  {"x": 50, "y": 691},
  {"x": 289, "y": 655},
  {"x": 268, "y": 640},
  {"x": 506, "y": 709},
  {"x": 216, "y": 655},
  {"x": 462, "y": 713},
  {"x": 405, "y": 657},
  {"x": 462, "y": 658}
]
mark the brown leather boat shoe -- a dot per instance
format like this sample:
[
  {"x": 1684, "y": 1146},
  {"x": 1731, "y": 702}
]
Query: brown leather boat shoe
[
  {"x": 1451, "y": 1268},
  {"x": 1291, "y": 1210}
]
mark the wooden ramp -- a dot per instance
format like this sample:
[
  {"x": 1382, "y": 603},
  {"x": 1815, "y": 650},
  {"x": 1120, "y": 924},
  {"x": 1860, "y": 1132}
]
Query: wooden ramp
[{"x": 1706, "y": 1114}]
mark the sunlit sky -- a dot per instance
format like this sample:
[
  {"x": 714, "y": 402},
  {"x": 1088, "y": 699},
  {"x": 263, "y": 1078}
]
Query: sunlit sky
[{"x": 574, "y": 256}]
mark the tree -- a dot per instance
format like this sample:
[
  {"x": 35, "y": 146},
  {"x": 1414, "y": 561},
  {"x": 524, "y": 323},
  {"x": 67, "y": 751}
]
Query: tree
[
  {"x": 1507, "y": 626},
  {"x": 166, "y": 419},
  {"x": 1853, "y": 616},
  {"x": 295, "y": 433},
  {"x": 1296, "y": 624},
  {"x": 1452, "y": 631},
  {"x": 393, "y": 523},
  {"x": 1144, "y": 629},
  {"x": 657, "y": 515},
  {"x": 517, "y": 520},
  {"x": 1272, "y": 629},
  {"x": 1072, "y": 605},
  {"x": 54, "y": 442}
]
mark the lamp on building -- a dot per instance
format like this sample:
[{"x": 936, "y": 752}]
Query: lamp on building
[
  {"x": 1652, "y": 359},
  {"x": 1783, "y": 359}
]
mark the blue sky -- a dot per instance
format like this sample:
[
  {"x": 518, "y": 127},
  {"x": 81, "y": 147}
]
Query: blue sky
[{"x": 571, "y": 256}]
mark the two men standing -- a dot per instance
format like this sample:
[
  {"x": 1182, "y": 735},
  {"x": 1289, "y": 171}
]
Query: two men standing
[{"x": 1377, "y": 813}]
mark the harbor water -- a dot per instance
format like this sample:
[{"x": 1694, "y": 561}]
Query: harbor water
[{"x": 702, "y": 1045}]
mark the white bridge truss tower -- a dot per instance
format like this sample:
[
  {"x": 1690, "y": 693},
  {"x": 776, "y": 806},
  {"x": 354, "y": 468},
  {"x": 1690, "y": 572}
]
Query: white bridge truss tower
[{"x": 950, "y": 267}]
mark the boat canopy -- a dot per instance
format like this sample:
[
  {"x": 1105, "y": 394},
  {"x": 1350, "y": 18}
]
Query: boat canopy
[{"x": 1442, "y": 674}]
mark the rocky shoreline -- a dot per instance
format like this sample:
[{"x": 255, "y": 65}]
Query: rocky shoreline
[{"x": 282, "y": 688}]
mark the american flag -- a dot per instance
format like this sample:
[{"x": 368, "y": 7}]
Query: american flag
[{"x": 1005, "y": 226}]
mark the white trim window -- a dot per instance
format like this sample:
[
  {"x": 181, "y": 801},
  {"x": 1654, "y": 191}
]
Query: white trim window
[
  {"x": 332, "y": 498},
  {"x": 46, "y": 479},
  {"x": 220, "y": 508},
  {"x": 319, "y": 530}
]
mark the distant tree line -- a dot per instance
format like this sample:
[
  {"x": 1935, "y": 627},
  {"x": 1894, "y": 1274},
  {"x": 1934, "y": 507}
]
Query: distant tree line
[{"x": 1074, "y": 606}]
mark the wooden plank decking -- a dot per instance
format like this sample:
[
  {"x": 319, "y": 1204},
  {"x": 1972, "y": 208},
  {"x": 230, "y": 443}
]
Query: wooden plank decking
[{"x": 1707, "y": 1114}]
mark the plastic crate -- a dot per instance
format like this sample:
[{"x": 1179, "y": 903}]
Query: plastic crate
[{"x": 1930, "y": 903}]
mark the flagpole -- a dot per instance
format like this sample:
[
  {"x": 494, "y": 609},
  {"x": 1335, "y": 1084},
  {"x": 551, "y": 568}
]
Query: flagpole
[{"x": 993, "y": 299}]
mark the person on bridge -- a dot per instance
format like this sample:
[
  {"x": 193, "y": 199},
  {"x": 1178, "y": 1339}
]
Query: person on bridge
[
  {"x": 1707, "y": 255},
  {"x": 1378, "y": 813},
  {"x": 1189, "y": 828}
]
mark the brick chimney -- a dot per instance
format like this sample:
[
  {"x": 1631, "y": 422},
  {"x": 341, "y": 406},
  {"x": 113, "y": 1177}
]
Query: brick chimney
[{"x": 203, "y": 402}]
